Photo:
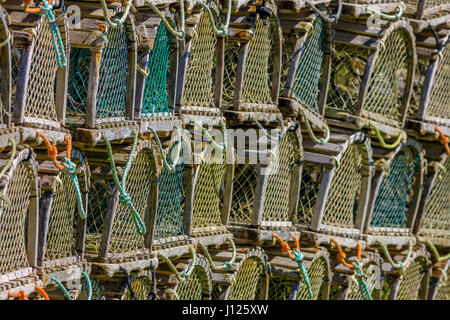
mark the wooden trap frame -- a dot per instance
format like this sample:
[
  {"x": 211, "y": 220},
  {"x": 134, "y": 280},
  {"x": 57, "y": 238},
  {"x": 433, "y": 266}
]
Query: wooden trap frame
[
  {"x": 395, "y": 193},
  {"x": 102, "y": 76},
  {"x": 423, "y": 9},
  {"x": 439, "y": 282},
  {"x": 184, "y": 279},
  {"x": 39, "y": 72},
  {"x": 372, "y": 72},
  {"x": 335, "y": 189},
  {"x": 19, "y": 222},
  {"x": 287, "y": 283},
  {"x": 239, "y": 275}
]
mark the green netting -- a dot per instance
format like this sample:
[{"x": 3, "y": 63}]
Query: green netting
[
  {"x": 345, "y": 186},
  {"x": 124, "y": 237},
  {"x": 443, "y": 291},
  {"x": 307, "y": 76},
  {"x": 276, "y": 202},
  {"x": 13, "y": 239},
  {"x": 60, "y": 238},
  {"x": 391, "y": 205},
  {"x": 169, "y": 219},
  {"x": 80, "y": 59},
  {"x": 387, "y": 84},
  {"x": 318, "y": 273},
  {"x": 279, "y": 288},
  {"x": 410, "y": 285},
  {"x": 98, "y": 200},
  {"x": 244, "y": 184},
  {"x": 195, "y": 287},
  {"x": 245, "y": 284},
  {"x": 112, "y": 83},
  {"x": 198, "y": 87},
  {"x": 309, "y": 188},
  {"x": 439, "y": 104},
  {"x": 256, "y": 87},
  {"x": 155, "y": 94},
  {"x": 348, "y": 65},
  {"x": 436, "y": 217}
]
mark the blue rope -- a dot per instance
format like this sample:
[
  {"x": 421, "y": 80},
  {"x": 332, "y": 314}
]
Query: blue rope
[
  {"x": 70, "y": 168},
  {"x": 89, "y": 284},
  {"x": 299, "y": 259},
  {"x": 362, "y": 284}
]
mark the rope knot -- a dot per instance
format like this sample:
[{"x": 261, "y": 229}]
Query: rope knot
[
  {"x": 298, "y": 256},
  {"x": 125, "y": 198}
]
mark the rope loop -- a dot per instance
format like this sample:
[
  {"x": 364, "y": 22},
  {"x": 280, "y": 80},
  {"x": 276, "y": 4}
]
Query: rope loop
[
  {"x": 223, "y": 31},
  {"x": 89, "y": 284},
  {"x": 443, "y": 139},
  {"x": 396, "y": 265},
  {"x": 225, "y": 266},
  {"x": 435, "y": 252},
  {"x": 183, "y": 276},
  {"x": 175, "y": 33},
  {"x": 334, "y": 17},
  {"x": 384, "y": 145},
  {"x": 320, "y": 141},
  {"x": 169, "y": 167},
  {"x": 385, "y": 16},
  {"x": 118, "y": 23},
  {"x": 61, "y": 286},
  {"x": 42, "y": 292}
]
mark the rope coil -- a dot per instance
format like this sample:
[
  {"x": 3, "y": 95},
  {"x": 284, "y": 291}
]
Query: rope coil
[{"x": 124, "y": 197}]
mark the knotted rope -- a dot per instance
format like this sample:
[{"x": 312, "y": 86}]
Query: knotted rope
[
  {"x": 297, "y": 256},
  {"x": 384, "y": 145},
  {"x": 45, "y": 9},
  {"x": 117, "y": 22},
  {"x": 396, "y": 265},
  {"x": 183, "y": 276},
  {"x": 222, "y": 32},
  {"x": 124, "y": 197},
  {"x": 8, "y": 164},
  {"x": 356, "y": 266},
  {"x": 66, "y": 166},
  {"x": 176, "y": 33},
  {"x": 435, "y": 253},
  {"x": 225, "y": 266},
  {"x": 443, "y": 139}
]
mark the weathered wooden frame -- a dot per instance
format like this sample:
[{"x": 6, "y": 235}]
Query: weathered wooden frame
[
  {"x": 413, "y": 204},
  {"x": 435, "y": 281},
  {"x": 5, "y": 63}
]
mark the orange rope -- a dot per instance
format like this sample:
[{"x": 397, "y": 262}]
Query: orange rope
[
  {"x": 52, "y": 151},
  {"x": 21, "y": 295},
  {"x": 26, "y": 3},
  {"x": 42, "y": 292},
  {"x": 341, "y": 254},
  {"x": 285, "y": 247},
  {"x": 443, "y": 139}
]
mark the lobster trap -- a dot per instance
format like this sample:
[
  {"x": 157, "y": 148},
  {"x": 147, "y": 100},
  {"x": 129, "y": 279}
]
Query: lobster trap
[
  {"x": 372, "y": 72},
  {"x": 39, "y": 70},
  {"x": 288, "y": 283},
  {"x": 396, "y": 192},
  {"x": 239, "y": 274},
  {"x": 184, "y": 279},
  {"x": 102, "y": 74},
  {"x": 18, "y": 221}
]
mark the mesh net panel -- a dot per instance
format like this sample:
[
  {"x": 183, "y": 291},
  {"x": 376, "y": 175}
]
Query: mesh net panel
[
  {"x": 371, "y": 279},
  {"x": 207, "y": 192},
  {"x": 279, "y": 288},
  {"x": 307, "y": 76},
  {"x": 155, "y": 94},
  {"x": 60, "y": 238},
  {"x": 13, "y": 253},
  {"x": 245, "y": 284},
  {"x": 229, "y": 76},
  {"x": 436, "y": 218},
  {"x": 391, "y": 205},
  {"x": 244, "y": 184},
  {"x": 198, "y": 87},
  {"x": 412, "y": 279},
  {"x": 112, "y": 83},
  {"x": 14, "y": 73},
  {"x": 344, "y": 189},
  {"x": 80, "y": 60},
  {"x": 388, "y": 81},
  {"x": 317, "y": 273},
  {"x": 348, "y": 64},
  {"x": 309, "y": 188},
  {"x": 439, "y": 103},
  {"x": 98, "y": 199},
  {"x": 141, "y": 286},
  {"x": 124, "y": 237},
  {"x": 193, "y": 288},
  {"x": 443, "y": 291},
  {"x": 276, "y": 203},
  {"x": 169, "y": 219},
  {"x": 256, "y": 87},
  {"x": 40, "y": 102}
]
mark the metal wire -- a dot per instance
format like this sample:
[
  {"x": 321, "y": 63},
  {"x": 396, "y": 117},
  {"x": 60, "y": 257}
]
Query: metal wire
[
  {"x": 245, "y": 284},
  {"x": 412, "y": 280}
]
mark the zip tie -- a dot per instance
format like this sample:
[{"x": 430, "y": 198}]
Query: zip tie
[
  {"x": 396, "y": 265},
  {"x": 60, "y": 285},
  {"x": 222, "y": 32},
  {"x": 117, "y": 22},
  {"x": 225, "y": 266},
  {"x": 175, "y": 33},
  {"x": 381, "y": 140}
]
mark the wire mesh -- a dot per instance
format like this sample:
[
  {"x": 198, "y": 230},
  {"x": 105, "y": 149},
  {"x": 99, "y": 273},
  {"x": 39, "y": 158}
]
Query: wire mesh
[
  {"x": 349, "y": 63},
  {"x": 245, "y": 284},
  {"x": 341, "y": 203},
  {"x": 256, "y": 87},
  {"x": 411, "y": 283},
  {"x": 318, "y": 273},
  {"x": 194, "y": 288},
  {"x": 112, "y": 82},
  {"x": 391, "y": 205},
  {"x": 276, "y": 202},
  {"x": 40, "y": 101},
  {"x": 439, "y": 103},
  {"x": 96, "y": 291},
  {"x": 387, "y": 84},
  {"x": 443, "y": 291},
  {"x": 124, "y": 237},
  {"x": 244, "y": 184},
  {"x": 371, "y": 277},
  {"x": 229, "y": 76},
  {"x": 309, "y": 188},
  {"x": 198, "y": 87},
  {"x": 436, "y": 217},
  {"x": 13, "y": 239},
  {"x": 279, "y": 288},
  {"x": 80, "y": 60},
  {"x": 60, "y": 238},
  {"x": 141, "y": 286},
  {"x": 307, "y": 76},
  {"x": 14, "y": 74},
  {"x": 155, "y": 95}
]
